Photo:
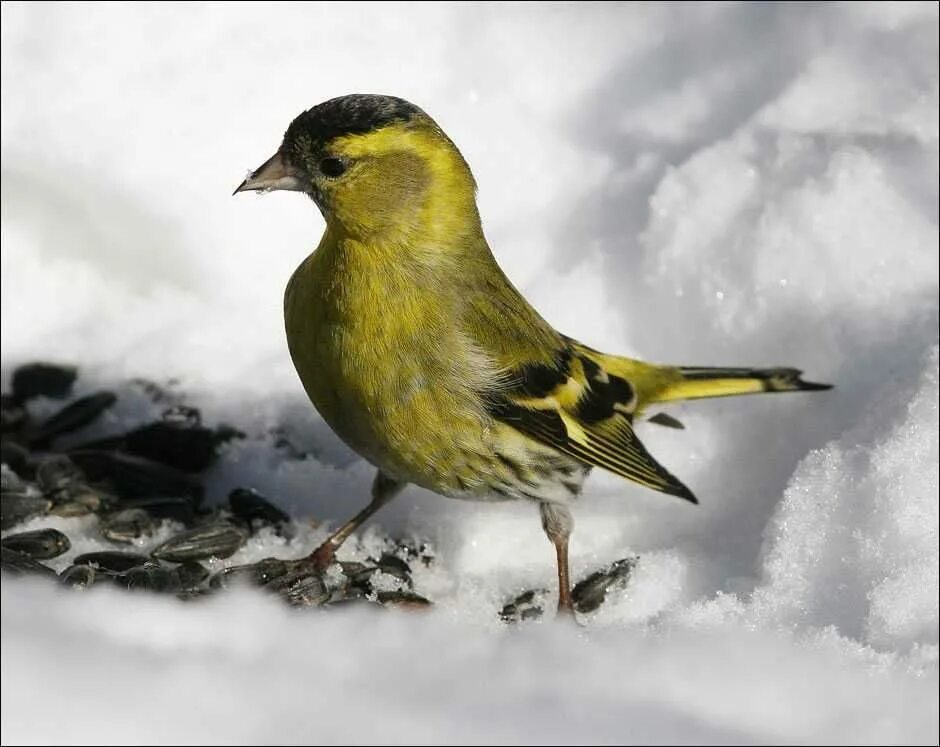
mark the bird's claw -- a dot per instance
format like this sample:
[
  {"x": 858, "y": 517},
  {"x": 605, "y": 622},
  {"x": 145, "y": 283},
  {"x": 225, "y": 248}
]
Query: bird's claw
[{"x": 321, "y": 558}]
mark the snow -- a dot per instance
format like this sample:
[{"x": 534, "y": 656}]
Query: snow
[{"x": 714, "y": 184}]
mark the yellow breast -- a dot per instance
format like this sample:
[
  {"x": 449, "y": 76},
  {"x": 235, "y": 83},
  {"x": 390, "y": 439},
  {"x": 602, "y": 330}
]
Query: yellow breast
[{"x": 382, "y": 362}]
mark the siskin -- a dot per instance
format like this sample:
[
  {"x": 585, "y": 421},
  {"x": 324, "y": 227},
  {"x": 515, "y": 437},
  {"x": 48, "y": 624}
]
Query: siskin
[{"x": 425, "y": 359}]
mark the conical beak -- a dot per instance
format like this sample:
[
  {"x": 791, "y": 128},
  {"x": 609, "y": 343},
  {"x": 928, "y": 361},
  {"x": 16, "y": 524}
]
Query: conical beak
[{"x": 275, "y": 173}]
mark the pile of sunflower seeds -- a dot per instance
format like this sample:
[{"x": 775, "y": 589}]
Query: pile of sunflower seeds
[{"x": 146, "y": 482}]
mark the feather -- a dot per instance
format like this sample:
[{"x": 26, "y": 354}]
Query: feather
[
  {"x": 666, "y": 420},
  {"x": 583, "y": 410}
]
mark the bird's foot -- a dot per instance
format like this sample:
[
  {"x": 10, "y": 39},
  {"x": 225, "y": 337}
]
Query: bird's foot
[
  {"x": 565, "y": 607},
  {"x": 321, "y": 558}
]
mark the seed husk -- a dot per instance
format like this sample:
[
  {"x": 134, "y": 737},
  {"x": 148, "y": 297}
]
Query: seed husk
[
  {"x": 40, "y": 544},
  {"x": 219, "y": 540}
]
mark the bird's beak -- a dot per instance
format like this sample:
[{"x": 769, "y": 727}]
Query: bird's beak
[{"x": 275, "y": 173}]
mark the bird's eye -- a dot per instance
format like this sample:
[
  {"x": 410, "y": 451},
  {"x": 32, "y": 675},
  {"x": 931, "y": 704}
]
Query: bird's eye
[{"x": 332, "y": 167}]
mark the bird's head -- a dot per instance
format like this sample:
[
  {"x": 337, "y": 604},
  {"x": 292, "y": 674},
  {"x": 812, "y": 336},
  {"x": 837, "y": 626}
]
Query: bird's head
[{"x": 372, "y": 164}]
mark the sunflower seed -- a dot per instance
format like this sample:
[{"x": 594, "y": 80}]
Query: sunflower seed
[
  {"x": 257, "y": 574},
  {"x": 135, "y": 477},
  {"x": 174, "y": 509},
  {"x": 530, "y": 605},
  {"x": 590, "y": 593},
  {"x": 404, "y": 599},
  {"x": 127, "y": 526},
  {"x": 79, "y": 576},
  {"x": 150, "y": 577},
  {"x": 18, "y": 564},
  {"x": 301, "y": 588},
  {"x": 191, "y": 574},
  {"x": 73, "y": 416},
  {"x": 211, "y": 540},
  {"x": 54, "y": 473},
  {"x": 108, "y": 560},
  {"x": 43, "y": 379},
  {"x": 41, "y": 544},
  {"x": 251, "y": 506},
  {"x": 20, "y": 505}
]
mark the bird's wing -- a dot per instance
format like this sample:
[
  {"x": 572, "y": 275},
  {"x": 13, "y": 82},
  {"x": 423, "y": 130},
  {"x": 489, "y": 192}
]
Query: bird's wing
[{"x": 576, "y": 405}]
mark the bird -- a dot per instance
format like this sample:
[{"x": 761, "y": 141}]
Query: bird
[{"x": 420, "y": 353}]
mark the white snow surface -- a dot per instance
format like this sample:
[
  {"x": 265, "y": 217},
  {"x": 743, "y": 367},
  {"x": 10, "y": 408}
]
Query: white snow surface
[{"x": 714, "y": 184}]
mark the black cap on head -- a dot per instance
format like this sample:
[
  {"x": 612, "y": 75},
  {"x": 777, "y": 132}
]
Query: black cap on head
[
  {"x": 355, "y": 114},
  {"x": 302, "y": 151}
]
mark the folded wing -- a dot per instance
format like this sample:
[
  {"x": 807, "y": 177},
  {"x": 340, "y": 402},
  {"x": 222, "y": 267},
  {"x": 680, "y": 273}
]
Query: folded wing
[{"x": 577, "y": 406}]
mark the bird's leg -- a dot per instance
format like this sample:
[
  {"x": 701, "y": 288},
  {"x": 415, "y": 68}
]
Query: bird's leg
[
  {"x": 558, "y": 522},
  {"x": 384, "y": 488}
]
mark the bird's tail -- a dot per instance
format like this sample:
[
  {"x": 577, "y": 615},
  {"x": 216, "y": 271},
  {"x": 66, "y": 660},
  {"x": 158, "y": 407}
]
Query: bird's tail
[
  {"x": 695, "y": 382},
  {"x": 653, "y": 383}
]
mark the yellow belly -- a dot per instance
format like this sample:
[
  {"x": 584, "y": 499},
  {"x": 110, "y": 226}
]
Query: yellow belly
[{"x": 385, "y": 376}]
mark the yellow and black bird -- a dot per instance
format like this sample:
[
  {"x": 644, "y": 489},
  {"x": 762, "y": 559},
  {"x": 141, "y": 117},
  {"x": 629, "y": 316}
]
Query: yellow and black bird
[{"x": 425, "y": 359}]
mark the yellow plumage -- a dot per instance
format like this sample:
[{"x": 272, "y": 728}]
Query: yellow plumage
[{"x": 420, "y": 353}]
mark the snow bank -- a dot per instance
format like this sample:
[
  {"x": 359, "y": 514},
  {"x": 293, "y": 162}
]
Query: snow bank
[
  {"x": 718, "y": 184},
  {"x": 242, "y": 669}
]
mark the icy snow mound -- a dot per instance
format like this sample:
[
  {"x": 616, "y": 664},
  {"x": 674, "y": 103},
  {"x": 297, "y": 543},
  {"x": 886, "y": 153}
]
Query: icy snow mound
[
  {"x": 716, "y": 184},
  {"x": 854, "y": 542}
]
